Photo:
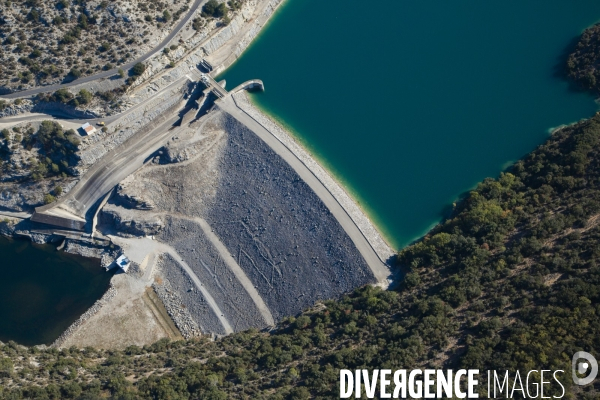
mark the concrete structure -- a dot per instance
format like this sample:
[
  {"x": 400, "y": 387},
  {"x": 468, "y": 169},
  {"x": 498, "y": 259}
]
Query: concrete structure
[
  {"x": 62, "y": 221},
  {"x": 71, "y": 210},
  {"x": 206, "y": 65},
  {"x": 249, "y": 85},
  {"x": 218, "y": 88},
  {"x": 88, "y": 129},
  {"x": 188, "y": 117},
  {"x": 123, "y": 262},
  {"x": 127, "y": 159},
  {"x": 376, "y": 264}
]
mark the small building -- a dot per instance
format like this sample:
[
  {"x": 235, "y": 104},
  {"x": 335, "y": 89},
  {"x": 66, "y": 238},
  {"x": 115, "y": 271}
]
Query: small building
[
  {"x": 123, "y": 262},
  {"x": 88, "y": 129}
]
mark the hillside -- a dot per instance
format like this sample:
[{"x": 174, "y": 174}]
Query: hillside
[
  {"x": 45, "y": 42},
  {"x": 509, "y": 281}
]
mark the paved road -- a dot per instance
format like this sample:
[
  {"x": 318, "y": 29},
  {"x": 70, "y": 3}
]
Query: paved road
[
  {"x": 376, "y": 265},
  {"x": 15, "y": 214},
  {"x": 114, "y": 167},
  {"x": 30, "y": 117},
  {"x": 217, "y": 89},
  {"x": 106, "y": 74}
]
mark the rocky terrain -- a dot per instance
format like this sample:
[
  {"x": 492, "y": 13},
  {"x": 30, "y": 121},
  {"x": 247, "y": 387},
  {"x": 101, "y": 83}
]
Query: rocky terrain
[
  {"x": 272, "y": 225},
  {"x": 185, "y": 304},
  {"x": 48, "y": 42},
  {"x": 157, "y": 92}
]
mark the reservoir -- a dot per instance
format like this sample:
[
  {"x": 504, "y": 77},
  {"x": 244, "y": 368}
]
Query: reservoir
[
  {"x": 410, "y": 103},
  {"x": 43, "y": 291}
]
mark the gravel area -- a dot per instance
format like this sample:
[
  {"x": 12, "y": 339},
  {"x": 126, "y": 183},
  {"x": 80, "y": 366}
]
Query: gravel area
[
  {"x": 190, "y": 242},
  {"x": 180, "y": 316},
  {"x": 286, "y": 240},
  {"x": 110, "y": 293},
  {"x": 184, "y": 303}
]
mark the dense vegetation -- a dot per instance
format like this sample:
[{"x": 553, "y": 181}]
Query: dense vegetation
[
  {"x": 57, "y": 150},
  {"x": 54, "y": 149},
  {"x": 583, "y": 65}
]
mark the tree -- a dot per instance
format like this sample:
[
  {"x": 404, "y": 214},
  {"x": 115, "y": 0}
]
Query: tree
[
  {"x": 34, "y": 16},
  {"x": 6, "y": 367},
  {"x": 83, "y": 21},
  {"x": 138, "y": 69},
  {"x": 75, "y": 73},
  {"x": 221, "y": 11},
  {"x": 166, "y": 15},
  {"x": 61, "y": 95},
  {"x": 197, "y": 24},
  {"x": 121, "y": 73},
  {"x": 209, "y": 8},
  {"x": 84, "y": 96},
  {"x": 48, "y": 198},
  {"x": 213, "y": 9}
]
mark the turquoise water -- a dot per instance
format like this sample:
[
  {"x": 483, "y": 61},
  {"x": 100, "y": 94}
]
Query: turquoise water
[
  {"x": 43, "y": 291},
  {"x": 411, "y": 103}
]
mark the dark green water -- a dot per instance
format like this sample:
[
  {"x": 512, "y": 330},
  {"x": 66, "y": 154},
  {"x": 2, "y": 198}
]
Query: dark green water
[
  {"x": 43, "y": 291},
  {"x": 411, "y": 103}
]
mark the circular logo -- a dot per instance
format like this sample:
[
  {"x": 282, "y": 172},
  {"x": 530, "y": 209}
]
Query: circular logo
[{"x": 589, "y": 366}]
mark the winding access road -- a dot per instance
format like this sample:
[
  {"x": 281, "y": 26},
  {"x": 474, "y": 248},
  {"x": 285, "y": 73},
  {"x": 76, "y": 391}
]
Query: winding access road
[
  {"x": 114, "y": 167},
  {"x": 109, "y": 73}
]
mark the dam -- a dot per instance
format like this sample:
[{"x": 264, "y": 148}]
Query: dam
[{"x": 268, "y": 239}]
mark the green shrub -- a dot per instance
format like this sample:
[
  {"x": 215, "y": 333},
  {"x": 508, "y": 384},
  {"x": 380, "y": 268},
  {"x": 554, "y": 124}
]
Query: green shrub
[
  {"x": 48, "y": 198},
  {"x": 138, "y": 69},
  {"x": 75, "y": 73},
  {"x": 84, "y": 96}
]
